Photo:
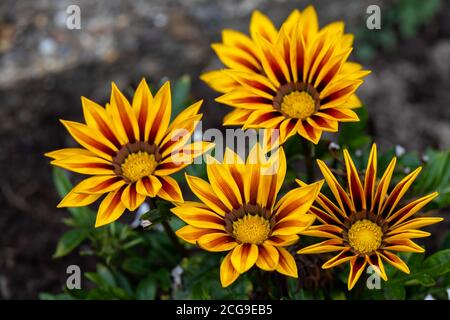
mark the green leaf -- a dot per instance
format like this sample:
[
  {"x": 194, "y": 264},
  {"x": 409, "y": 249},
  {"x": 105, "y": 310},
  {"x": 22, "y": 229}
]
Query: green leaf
[
  {"x": 61, "y": 181},
  {"x": 68, "y": 242},
  {"x": 106, "y": 276},
  {"x": 422, "y": 279},
  {"x": 437, "y": 264},
  {"x": 60, "y": 296},
  {"x": 394, "y": 293},
  {"x": 135, "y": 265},
  {"x": 180, "y": 94},
  {"x": 146, "y": 289}
]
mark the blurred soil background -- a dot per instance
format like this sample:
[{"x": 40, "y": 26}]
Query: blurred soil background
[{"x": 45, "y": 69}]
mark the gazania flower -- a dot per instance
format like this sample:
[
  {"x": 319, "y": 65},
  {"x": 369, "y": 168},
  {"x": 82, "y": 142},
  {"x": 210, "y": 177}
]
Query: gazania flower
[
  {"x": 296, "y": 79},
  {"x": 368, "y": 225},
  {"x": 129, "y": 150},
  {"x": 238, "y": 213}
]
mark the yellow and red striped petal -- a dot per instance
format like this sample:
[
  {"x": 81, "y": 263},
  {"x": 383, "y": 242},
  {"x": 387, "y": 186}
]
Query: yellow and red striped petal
[
  {"x": 83, "y": 164},
  {"x": 393, "y": 236},
  {"x": 354, "y": 184},
  {"x": 236, "y": 58},
  {"x": 224, "y": 186},
  {"x": 191, "y": 234},
  {"x": 159, "y": 115},
  {"x": 293, "y": 224},
  {"x": 410, "y": 209},
  {"x": 267, "y": 257},
  {"x": 132, "y": 199},
  {"x": 339, "y": 193},
  {"x": 343, "y": 256},
  {"x": 416, "y": 223},
  {"x": 100, "y": 184},
  {"x": 219, "y": 81},
  {"x": 297, "y": 201},
  {"x": 228, "y": 273},
  {"x": 403, "y": 245},
  {"x": 261, "y": 25},
  {"x": 309, "y": 132},
  {"x": 123, "y": 116},
  {"x": 245, "y": 98},
  {"x": 338, "y": 114},
  {"x": 377, "y": 264},
  {"x": 91, "y": 139},
  {"x": 170, "y": 190},
  {"x": 236, "y": 117},
  {"x": 244, "y": 256},
  {"x": 371, "y": 176},
  {"x": 110, "y": 209},
  {"x": 394, "y": 260},
  {"x": 324, "y": 231},
  {"x": 68, "y": 152},
  {"x": 148, "y": 186},
  {"x": 199, "y": 217},
  {"x": 357, "y": 266},
  {"x": 217, "y": 241},
  {"x": 240, "y": 41},
  {"x": 142, "y": 101},
  {"x": 282, "y": 240},
  {"x": 97, "y": 118},
  {"x": 323, "y": 247},
  {"x": 273, "y": 63},
  {"x": 205, "y": 193},
  {"x": 396, "y": 195},
  {"x": 286, "y": 263},
  {"x": 383, "y": 185},
  {"x": 74, "y": 199},
  {"x": 264, "y": 119}
]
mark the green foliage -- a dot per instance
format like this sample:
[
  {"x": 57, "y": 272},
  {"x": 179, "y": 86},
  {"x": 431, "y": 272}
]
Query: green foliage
[{"x": 401, "y": 19}]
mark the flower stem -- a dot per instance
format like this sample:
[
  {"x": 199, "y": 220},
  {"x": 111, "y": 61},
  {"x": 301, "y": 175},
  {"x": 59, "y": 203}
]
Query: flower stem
[
  {"x": 309, "y": 160},
  {"x": 170, "y": 233}
]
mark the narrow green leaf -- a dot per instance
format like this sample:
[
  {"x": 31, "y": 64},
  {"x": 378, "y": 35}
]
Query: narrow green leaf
[{"x": 68, "y": 242}]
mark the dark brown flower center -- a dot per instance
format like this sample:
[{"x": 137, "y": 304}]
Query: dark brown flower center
[
  {"x": 297, "y": 100},
  {"x": 136, "y": 160}
]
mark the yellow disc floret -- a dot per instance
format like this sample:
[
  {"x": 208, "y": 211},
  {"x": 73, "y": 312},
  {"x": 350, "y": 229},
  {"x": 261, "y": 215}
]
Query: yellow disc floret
[
  {"x": 365, "y": 236},
  {"x": 138, "y": 165},
  {"x": 298, "y": 105},
  {"x": 251, "y": 229}
]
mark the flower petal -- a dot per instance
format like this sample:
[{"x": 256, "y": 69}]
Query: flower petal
[
  {"x": 286, "y": 263},
  {"x": 244, "y": 256},
  {"x": 217, "y": 241},
  {"x": 191, "y": 234},
  {"x": 131, "y": 199},
  {"x": 267, "y": 257},
  {"x": 228, "y": 273},
  {"x": 323, "y": 247},
  {"x": 357, "y": 265},
  {"x": 170, "y": 190},
  {"x": 343, "y": 256},
  {"x": 123, "y": 116},
  {"x": 110, "y": 209},
  {"x": 205, "y": 193},
  {"x": 148, "y": 186},
  {"x": 394, "y": 260},
  {"x": 199, "y": 217}
]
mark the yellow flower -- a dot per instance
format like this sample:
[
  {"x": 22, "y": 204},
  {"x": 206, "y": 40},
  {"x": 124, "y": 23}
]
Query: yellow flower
[
  {"x": 296, "y": 79},
  {"x": 367, "y": 225},
  {"x": 129, "y": 151},
  {"x": 238, "y": 213}
]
